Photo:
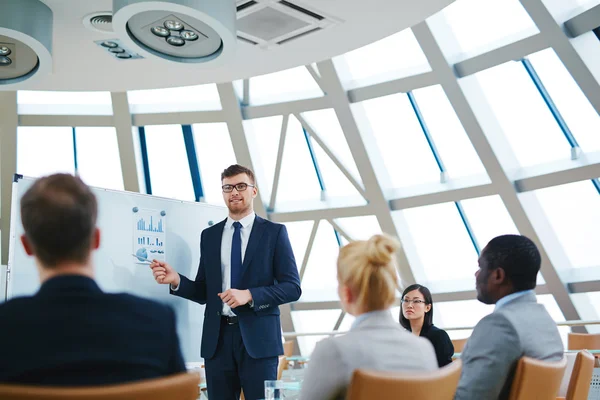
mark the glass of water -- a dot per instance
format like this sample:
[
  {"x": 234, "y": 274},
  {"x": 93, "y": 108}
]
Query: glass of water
[{"x": 274, "y": 390}]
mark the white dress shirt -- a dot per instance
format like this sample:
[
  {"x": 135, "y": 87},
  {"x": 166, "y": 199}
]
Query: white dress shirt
[{"x": 247, "y": 223}]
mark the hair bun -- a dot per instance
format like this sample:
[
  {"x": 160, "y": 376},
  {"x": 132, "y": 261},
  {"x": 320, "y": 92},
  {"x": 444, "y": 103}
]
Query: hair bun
[{"x": 381, "y": 249}]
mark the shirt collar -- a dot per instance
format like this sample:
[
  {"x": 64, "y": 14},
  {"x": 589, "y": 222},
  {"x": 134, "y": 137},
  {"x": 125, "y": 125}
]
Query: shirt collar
[
  {"x": 362, "y": 317},
  {"x": 246, "y": 221},
  {"x": 513, "y": 296}
]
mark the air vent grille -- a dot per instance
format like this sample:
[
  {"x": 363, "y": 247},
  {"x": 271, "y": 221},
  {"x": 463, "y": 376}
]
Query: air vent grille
[
  {"x": 102, "y": 22},
  {"x": 272, "y": 23}
]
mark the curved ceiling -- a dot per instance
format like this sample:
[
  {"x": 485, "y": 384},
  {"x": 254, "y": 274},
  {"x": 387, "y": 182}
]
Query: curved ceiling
[{"x": 80, "y": 64}]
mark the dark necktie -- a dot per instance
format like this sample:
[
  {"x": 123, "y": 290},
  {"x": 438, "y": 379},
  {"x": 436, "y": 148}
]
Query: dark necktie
[{"x": 236, "y": 256}]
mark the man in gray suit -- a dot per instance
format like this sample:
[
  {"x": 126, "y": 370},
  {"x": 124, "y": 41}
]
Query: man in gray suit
[{"x": 518, "y": 327}]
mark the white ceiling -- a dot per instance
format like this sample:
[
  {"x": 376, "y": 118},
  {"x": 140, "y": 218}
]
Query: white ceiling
[{"x": 79, "y": 64}]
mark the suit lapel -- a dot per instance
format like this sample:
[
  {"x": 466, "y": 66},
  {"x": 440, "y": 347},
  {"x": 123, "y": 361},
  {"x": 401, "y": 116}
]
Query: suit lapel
[
  {"x": 255, "y": 235},
  {"x": 217, "y": 239}
]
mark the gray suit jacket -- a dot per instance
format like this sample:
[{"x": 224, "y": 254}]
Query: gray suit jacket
[
  {"x": 519, "y": 328},
  {"x": 376, "y": 343}
]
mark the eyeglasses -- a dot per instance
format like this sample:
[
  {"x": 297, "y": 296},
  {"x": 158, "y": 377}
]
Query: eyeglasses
[
  {"x": 240, "y": 187},
  {"x": 416, "y": 302}
]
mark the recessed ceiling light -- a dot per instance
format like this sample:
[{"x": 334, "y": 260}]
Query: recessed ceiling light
[
  {"x": 28, "y": 45},
  {"x": 197, "y": 31}
]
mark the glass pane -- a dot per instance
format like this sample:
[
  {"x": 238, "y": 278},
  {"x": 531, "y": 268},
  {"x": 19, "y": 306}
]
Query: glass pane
[
  {"x": 215, "y": 153},
  {"x": 396, "y": 56},
  {"x": 263, "y": 139},
  {"x": 64, "y": 103},
  {"x": 451, "y": 140},
  {"x": 320, "y": 278},
  {"x": 299, "y": 234},
  {"x": 169, "y": 169},
  {"x": 554, "y": 310},
  {"x": 488, "y": 218},
  {"x": 459, "y": 314},
  {"x": 298, "y": 180},
  {"x": 580, "y": 116},
  {"x": 359, "y": 228},
  {"x": 313, "y": 321},
  {"x": 438, "y": 231},
  {"x": 328, "y": 128},
  {"x": 187, "y": 98},
  {"x": 98, "y": 161},
  {"x": 484, "y": 25},
  {"x": 523, "y": 115},
  {"x": 588, "y": 306},
  {"x": 400, "y": 140},
  {"x": 573, "y": 211},
  {"x": 291, "y": 84},
  {"x": 44, "y": 151}
]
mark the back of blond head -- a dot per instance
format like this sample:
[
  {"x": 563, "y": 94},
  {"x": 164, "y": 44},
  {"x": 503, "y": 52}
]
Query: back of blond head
[{"x": 368, "y": 268}]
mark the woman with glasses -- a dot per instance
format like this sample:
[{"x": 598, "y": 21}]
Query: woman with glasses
[
  {"x": 417, "y": 317},
  {"x": 367, "y": 284}
]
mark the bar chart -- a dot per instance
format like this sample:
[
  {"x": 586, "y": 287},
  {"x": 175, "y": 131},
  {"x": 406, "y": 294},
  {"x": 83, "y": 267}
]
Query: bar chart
[
  {"x": 149, "y": 233},
  {"x": 143, "y": 225},
  {"x": 148, "y": 241}
]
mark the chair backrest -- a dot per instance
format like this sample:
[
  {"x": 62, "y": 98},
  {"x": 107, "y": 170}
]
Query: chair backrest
[
  {"x": 581, "y": 377},
  {"x": 437, "y": 385},
  {"x": 288, "y": 348},
  {"x": 535, "y": 379},
  {"x": 583, "y": 341},
  {"x": 182, "y": 386},
  {"x": 459, "y": 344},
  {"x": 281, "y": 366}
]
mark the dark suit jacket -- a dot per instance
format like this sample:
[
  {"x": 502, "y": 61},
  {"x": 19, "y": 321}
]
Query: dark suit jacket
[
  {"x": 269, "y": 271},
  {"x": 71, "y": 333},
  {"x": 444, "y": 349}
]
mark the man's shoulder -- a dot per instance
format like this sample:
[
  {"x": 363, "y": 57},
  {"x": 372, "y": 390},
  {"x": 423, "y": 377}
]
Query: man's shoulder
[{"x": 144, "y": 305}]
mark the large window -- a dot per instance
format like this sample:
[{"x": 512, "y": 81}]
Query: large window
[
  {"x": 484, "y": 25},
  {"x": 525, "y": 119},
  {"x": 44, "y": 151},
  {"x": 320, "y": 278},
  {"x": 168, "y": 162},
  {"x": 291, "y": 84},
  {"x": 573, "y": 211},
  {"x": 574, "y": 107},
  {"x": 215, "y": 153},
  {"x": 400, "y": 141},
  {"x": 188, "y": 98},
  {"x": 451, "y": 140},
  {"x": 442, "y": 243},
  {"x": 64, "y": 103},
  {"x": 327, "y": 127},
  {"x": 98, "y": 162},
  {"x": 396, "y": 56},
  {"x": 313, "y": 321}
]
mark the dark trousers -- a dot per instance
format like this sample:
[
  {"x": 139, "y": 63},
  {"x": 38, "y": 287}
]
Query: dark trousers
[{"x": 232, "y": 369}]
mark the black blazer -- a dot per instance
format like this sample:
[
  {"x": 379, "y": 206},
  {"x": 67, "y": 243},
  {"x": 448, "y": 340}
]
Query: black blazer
[
  {"x": 444, "y": 349},
  {"x": 71, "y": 333}
]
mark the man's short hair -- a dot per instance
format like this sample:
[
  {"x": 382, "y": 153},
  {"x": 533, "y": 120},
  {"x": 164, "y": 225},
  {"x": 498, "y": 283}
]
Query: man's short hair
[
  {"x": 59, "y": 214},
  {"x": 237, "y": 169},
  {"x": 518, "y": 256}
]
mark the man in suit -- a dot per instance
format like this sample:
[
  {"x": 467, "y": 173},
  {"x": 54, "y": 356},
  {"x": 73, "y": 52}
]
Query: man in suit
[
  {"x": 70, "y": 332},
  {"x": 247, "y": 269},
  {"x": 519, "y": 326}
]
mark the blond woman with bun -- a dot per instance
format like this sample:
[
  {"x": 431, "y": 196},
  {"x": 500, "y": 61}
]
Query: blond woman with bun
[{"x": 367, "y": 285}]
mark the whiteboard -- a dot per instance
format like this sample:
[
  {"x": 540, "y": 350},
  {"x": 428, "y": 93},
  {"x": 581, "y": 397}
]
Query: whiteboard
[{"x": 116, "y": 270}]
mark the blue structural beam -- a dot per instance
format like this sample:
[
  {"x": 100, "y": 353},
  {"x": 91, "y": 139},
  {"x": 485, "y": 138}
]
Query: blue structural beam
[
  {"x": 75, "y": 161},
  {"x": 190, "y": 148},
  {"x": 550, "y": 103},
  {"x": 145, "y": 163},
  {"x": 313, "y": 156},
  {"x": 441, "y": 167}
]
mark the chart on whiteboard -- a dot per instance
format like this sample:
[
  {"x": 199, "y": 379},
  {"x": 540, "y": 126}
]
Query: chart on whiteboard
[{"x": 149, "y": 233}]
